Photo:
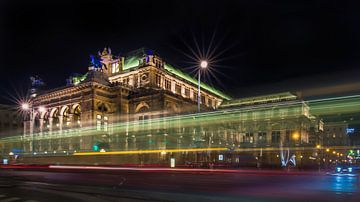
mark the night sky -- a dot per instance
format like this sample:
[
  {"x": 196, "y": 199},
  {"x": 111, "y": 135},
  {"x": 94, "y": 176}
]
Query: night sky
[{"x": 264, "y": 46}]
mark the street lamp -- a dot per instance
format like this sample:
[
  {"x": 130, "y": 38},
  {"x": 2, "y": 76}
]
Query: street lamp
[
  {"x": 28, "y": 107},
  {"x": 25, "y": 106},
  {"x": 203, "y": 65}
]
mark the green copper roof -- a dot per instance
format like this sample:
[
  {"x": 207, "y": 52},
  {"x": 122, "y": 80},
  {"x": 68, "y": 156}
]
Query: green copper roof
[
  {"x": 77, "y": 79},
  {"x": 133, "y": 58},
  {"x": 194, "y": 81},
  {"x": 131, "y": 62}
]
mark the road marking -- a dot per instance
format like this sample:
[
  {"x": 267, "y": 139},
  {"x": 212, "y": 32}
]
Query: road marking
[{"x": 10, "y": 199}]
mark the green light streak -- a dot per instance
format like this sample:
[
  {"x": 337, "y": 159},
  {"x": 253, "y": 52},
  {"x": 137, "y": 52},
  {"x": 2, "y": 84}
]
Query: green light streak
[
  {"x": 215, "y": 122},
  {"x": 216, "y": 119}
]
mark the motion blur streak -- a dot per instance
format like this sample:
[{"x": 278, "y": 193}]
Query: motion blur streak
[
  {"x": 151, "y": 151},
  {"x": 201, "y": 149},
  {"x": 328, "y": 106}
]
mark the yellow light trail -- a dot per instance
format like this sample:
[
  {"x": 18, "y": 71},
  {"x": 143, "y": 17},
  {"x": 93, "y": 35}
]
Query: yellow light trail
[
  {"x": 205, "y": 149},
  {"x": 150, "y": 151}
]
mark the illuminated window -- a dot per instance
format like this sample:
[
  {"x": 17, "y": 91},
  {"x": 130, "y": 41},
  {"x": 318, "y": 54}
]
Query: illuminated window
[
  {"x": 249, "y": 137},
  {"x": 167, "y": 84},
  {"x": 158, "y": 80},
  {"x": 211, "y": 104},
  {"x": 275, "y": 137},
  {"x": 195, "y": 95},
  {"x": 177, "y": 89},
  {"x": 98, "y": 122},
  {"x": 115, "y": 67},
  {"x": 203, "y": 99},
  {"x": 262, "y": 137},
  {"x": 187, "y": 92},
  {"x": 105, "y": 123}
]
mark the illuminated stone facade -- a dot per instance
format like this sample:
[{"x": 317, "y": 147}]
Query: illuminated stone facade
[
  {"x": 138, "y": 86},
  {"x": 139, "y": 103}
]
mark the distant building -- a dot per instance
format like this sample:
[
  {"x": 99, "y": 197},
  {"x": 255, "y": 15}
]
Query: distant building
[{"x": 335, "y": 134}]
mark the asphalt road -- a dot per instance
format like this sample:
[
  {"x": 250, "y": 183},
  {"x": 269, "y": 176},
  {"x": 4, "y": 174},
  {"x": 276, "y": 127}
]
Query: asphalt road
[{"x": 158, "y": 185}]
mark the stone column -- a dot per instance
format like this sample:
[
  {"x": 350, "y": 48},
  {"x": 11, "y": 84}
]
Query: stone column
[
  {"x": 173, "y": 86},
  {"x": 256, "y": 138},
  {"x": 41, "y": 125},
  {"x": 71, "y": 118},
  {"x": 162, "y": 85},
  {"x": 32, "y": 121},
  {"x": 61, "y": 122},
  {"x": 25, "y": 123},
  {"x": 50, "y": 125}
]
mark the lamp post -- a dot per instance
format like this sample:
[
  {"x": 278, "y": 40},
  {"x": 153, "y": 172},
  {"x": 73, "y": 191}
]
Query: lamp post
[
  {"x": 203, "y": 65},
  {"x": 320, "y": 156},
  {"x": 27, "y": 107}
]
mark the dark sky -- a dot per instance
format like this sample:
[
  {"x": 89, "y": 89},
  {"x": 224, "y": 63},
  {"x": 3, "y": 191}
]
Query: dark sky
[{"x": 266, "y": 46}]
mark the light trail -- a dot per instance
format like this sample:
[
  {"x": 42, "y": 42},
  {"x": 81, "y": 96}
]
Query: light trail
[
  {"x": 275, "y": 149},
  {"x": 218, "y": 120},
  {"x": 191, "y": 170},
  {"x": 149, "y": 151}
]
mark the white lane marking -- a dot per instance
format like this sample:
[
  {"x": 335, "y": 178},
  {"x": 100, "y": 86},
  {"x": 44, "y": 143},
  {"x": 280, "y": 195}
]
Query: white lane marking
[
  {"x": 10, "y": 199},
  {"x": 30, "y": 201}
]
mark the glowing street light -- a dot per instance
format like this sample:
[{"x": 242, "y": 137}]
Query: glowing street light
[
  {"x": 25, "y": 106},
  {"x": 203, "y": 65},
  {"x": 295, "y": 136},
  {"x": 318, "y": 146}
]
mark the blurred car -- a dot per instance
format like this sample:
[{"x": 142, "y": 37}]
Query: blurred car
[{"x": 344, "y": 168}]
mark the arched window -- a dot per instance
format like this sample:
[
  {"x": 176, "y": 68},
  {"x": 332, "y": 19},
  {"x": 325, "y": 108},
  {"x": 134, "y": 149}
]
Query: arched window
[
  {"x": 46, "y": 122},
  {"x": 66, "y": 118},
  {"x": 37, "y": 123},
  {"x": 77, "y": 116},
  {"x": 55, "y": 119}
]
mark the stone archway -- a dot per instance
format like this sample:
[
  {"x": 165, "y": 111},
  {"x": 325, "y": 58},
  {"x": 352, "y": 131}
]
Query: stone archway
[
  {"x": 142, "y": 107},
  {"x": 54, "y": 119},
  {"x": 76, "y": 111}
]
